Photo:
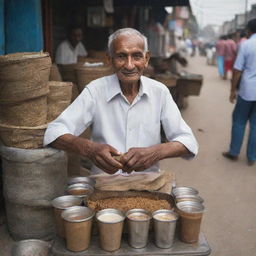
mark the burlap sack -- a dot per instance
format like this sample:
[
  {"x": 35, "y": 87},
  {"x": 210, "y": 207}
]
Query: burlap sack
[
  {"x": 58, "y": 98},
  {"x": 150, "y": 181}
]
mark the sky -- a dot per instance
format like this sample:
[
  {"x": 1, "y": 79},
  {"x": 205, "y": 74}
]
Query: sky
[{"x": 216, "y": 12}]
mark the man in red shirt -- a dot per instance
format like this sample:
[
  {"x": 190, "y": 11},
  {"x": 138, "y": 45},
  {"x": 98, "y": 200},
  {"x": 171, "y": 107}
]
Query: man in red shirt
[{"x": 229, "y": 55}]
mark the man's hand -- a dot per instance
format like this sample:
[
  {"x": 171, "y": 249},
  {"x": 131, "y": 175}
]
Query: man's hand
[
  {"x": 232, "y": 96},
  {"x": 102, "y": 156},
  {"x": 139, "y": 159},
  {"x": 236, "y": 75}
]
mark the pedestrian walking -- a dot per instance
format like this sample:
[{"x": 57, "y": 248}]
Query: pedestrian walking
[
  {"x": 245, "y": 108},
  {"x": 229, "y": 55},
  {"x": 220, "y": 48}
]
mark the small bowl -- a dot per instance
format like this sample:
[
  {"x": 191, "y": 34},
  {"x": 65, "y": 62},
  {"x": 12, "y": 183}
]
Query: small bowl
[
  {"x": 81, "y": 179},
  {"x": 31, "y": 247}
]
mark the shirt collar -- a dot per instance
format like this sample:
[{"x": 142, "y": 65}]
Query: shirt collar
[{"x": 115, "y": 89}]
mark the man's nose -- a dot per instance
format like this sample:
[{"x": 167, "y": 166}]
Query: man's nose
[{"x": 129, "y": 63}]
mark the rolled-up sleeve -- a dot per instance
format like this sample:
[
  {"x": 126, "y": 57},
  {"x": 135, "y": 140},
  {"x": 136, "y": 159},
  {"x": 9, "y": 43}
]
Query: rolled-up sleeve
[
  {"x": 73, "y": 120},
  {"x": 240, "y": 59},
  {"x": 175, "y": 127}
]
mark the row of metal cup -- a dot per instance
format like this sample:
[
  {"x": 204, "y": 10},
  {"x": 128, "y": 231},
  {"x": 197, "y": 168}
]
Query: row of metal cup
[
  {"x": 189, "y": 206},
  {"x": 74, "y": 223}
]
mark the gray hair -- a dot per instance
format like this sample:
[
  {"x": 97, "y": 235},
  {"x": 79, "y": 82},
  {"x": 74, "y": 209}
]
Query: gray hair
[{"x": 125, "y": 31}]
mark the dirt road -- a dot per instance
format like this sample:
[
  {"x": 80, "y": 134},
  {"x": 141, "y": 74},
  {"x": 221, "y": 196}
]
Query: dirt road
[{"x": 227, "y": 187}]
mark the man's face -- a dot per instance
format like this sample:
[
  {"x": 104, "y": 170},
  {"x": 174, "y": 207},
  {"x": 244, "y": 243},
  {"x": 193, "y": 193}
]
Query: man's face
[
  {"x": 75, "y": 36},
  {"x": 128, "y": 58}
]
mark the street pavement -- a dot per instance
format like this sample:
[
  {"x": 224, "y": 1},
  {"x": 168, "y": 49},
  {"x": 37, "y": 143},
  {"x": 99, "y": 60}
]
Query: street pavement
[{"x": 229, "y": 188}]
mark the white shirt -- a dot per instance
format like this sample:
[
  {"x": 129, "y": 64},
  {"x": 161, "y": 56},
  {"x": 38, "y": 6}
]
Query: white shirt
[
  {"x": 246, "y": 62},
  {"x": 120, "y": 124},
  {"x": 66, "y": 54}
]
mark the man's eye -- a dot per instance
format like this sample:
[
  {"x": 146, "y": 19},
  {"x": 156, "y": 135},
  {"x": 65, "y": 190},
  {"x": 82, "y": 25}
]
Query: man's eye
[
  {"x": 137, "y": 56},
  {"x": 120, "y": 56}
]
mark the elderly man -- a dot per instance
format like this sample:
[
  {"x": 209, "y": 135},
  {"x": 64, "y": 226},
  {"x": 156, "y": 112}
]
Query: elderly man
[
  {"x": 69, "y": 51},
  {"x": 245, "y": 108},
  {"x": 126, "y": 111}
]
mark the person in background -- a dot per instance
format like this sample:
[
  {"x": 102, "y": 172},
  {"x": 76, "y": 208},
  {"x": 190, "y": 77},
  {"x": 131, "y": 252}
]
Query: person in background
[
  {"x": 243, "y": 37},
  {"x": 245, "y": 108},
  {"x": 220, "y": 47},
  {"x": 69, "y": 51},
  {"x": 126, "y": 111},
  {"x": 229, "y": 55}
]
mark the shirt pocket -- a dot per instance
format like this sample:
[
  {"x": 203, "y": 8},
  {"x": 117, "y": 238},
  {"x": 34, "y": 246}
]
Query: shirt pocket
[{"x": 149, "y": 134}]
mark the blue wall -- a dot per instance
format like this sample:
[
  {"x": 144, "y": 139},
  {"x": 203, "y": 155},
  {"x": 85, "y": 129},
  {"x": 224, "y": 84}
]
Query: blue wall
[
  {"x": 23, "y": 26},
  {"x": 2, "y": 36}
]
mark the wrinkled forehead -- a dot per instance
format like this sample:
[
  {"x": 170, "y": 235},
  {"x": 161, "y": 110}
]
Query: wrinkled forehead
[{"x": 133, "y": 40}]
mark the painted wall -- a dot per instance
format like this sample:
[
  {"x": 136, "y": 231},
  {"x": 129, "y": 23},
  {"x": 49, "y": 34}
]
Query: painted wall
[
  {"x": 2, "y": 35},
  {"x": 23, "y": 26}
]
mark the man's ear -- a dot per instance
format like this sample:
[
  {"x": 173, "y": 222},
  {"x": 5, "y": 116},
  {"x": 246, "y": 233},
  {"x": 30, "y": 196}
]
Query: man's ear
[{"x": 147, "y": 57}]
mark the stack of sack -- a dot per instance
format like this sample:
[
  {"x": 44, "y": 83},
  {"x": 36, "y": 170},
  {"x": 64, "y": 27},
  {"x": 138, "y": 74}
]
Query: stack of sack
[{"x": 28, "y": 101}]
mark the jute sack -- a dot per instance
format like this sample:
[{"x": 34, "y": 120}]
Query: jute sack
[
  {"x": 150, "y": 181},
  {"x": 58, "y": 98},
  {"x": 31, "y": 112},
  {"x": 22, "y": 136},
  {"x": 23, "y": 76},
  {"x": 86, "y": 74}
]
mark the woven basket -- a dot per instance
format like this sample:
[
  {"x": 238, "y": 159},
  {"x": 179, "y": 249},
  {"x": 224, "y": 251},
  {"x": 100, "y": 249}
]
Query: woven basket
[
  {"x": 190, "y": 84},
  {"x": 23, "y": 76},
  {"x": 98, "y": 54},
  {"x": 68, "y": 72},
  {"x": 32, "y": 112},
  {"x": 86, "y": 74},
  {"x": 55, "y": 73},
  {"x": 58, "y": 98},
  {"x": 22, "y": 136},
  {"x": 168, "y": 80}
]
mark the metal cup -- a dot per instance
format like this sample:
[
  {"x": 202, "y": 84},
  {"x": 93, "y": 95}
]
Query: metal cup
[
  {"x": 80, "y": 190},
  {"x": 195, "y": 198},
  {"x": 78, "y": 225},
  {"x": 110, "y": 227},
  {"x": 62, "y": 203},
  {"x": 164, "y": 227},
  {"x": 191, "y": 214},
  {"x": 177, "y": 191},
  {"x": 81, "y": 179},
  {"x": 138, "y": 221}
]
